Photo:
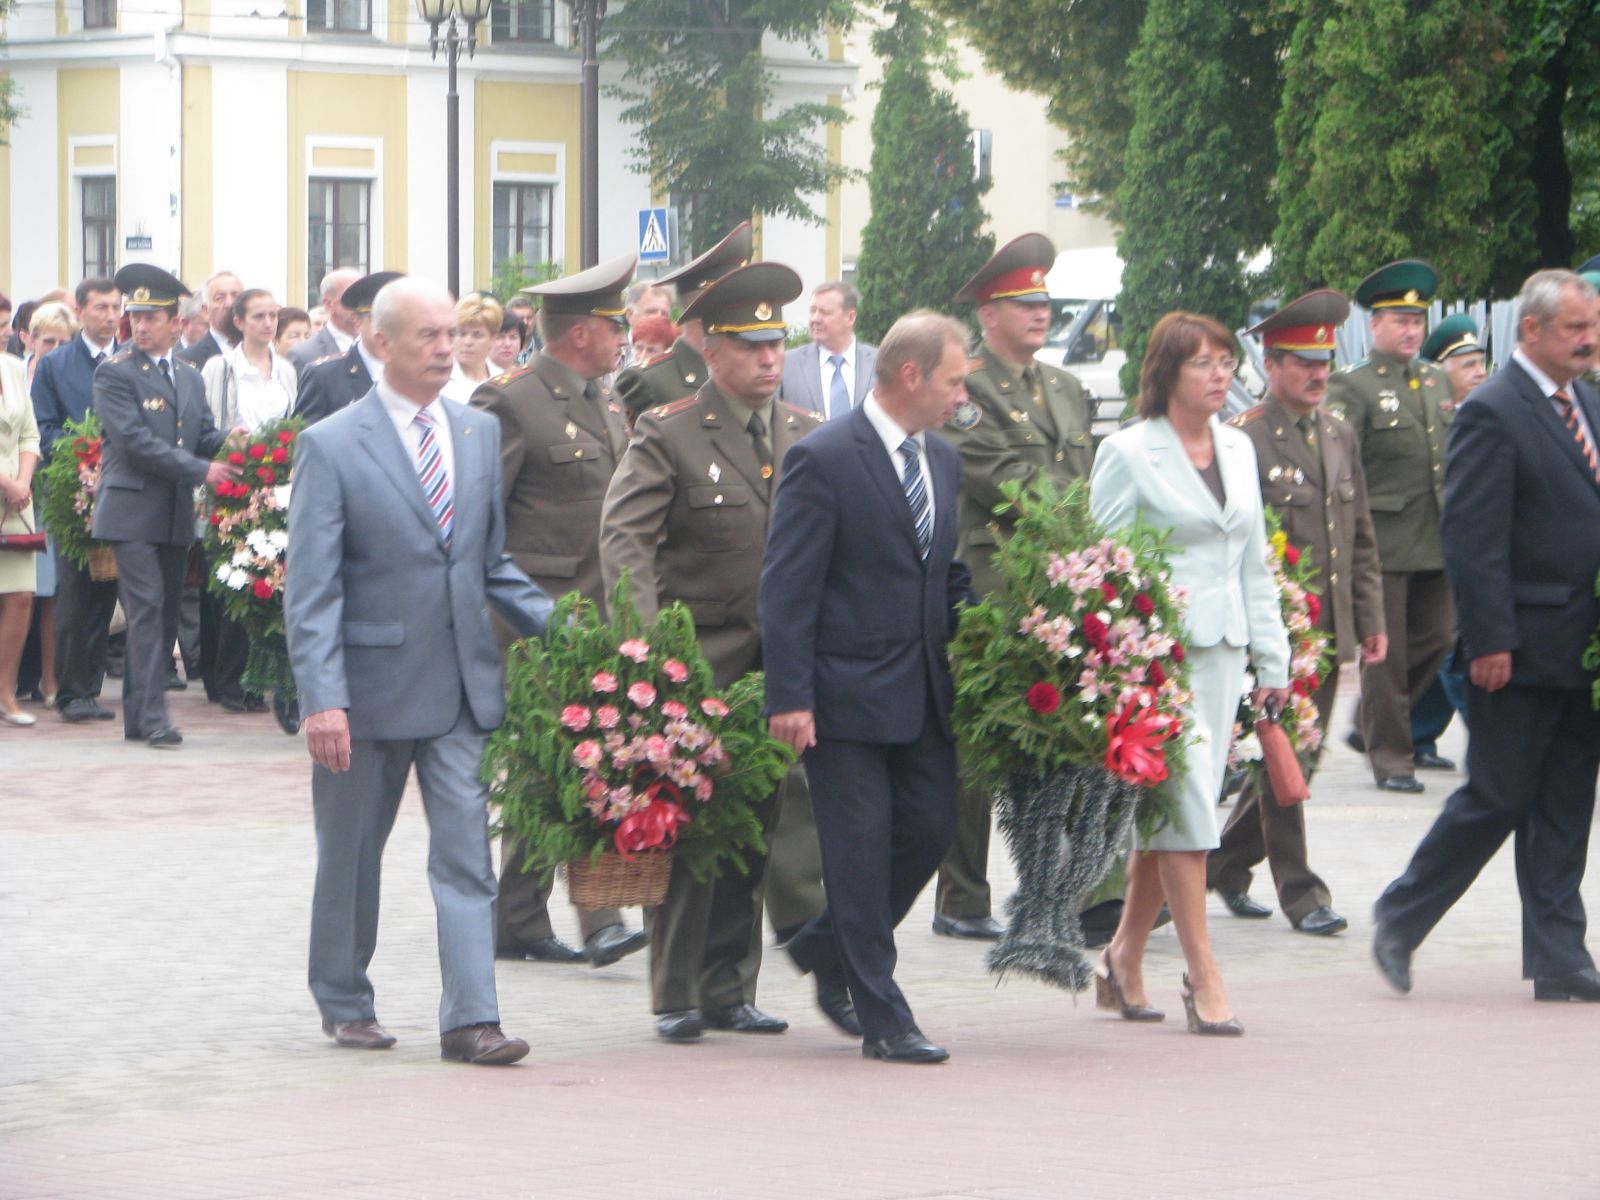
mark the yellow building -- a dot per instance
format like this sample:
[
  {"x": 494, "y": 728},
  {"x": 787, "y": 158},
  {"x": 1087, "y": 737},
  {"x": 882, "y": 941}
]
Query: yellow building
[{"x": 280, "y": 138}]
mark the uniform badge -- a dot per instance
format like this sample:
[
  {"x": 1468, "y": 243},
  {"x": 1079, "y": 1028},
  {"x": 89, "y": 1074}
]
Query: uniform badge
[
  {"x": 1432, "y": 381},
  {"x": 966, "y": 416},
  {"x": 615, "y": 407},
  {"x": 763, "y": 311},
  {"x": 766, "y": 472},
  {"x": 715, "y": 472},
  {"x": 1274, "y": 474},
  {"x": 1299, "y": 475},
  {"x": 572, "y": 430},
  {"x": 155, "y": 404},
  {"x": 1447, "y": 406},
  {"x": 1336, "y": 411},
  {"x": 1388, "y": 401},
  {"x": 1018, "y": 416}
]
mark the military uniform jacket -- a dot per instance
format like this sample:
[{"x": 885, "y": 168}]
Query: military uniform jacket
[
  {"x": 157, "y": 440},
  {"x": 558, "y": 451},
  {"x": 1320, "y": 495},
  {"x": 1004, "y": 436},
  {"x": 680, "y": 372},
  {"x": 1401, "y": 414},
  {"x": 687, "y": 513},
  {"x": 332, "y": 383}
]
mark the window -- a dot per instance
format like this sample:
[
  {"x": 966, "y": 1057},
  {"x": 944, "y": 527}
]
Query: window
[
  {"x": 334, "y": 16},
  {"x": 99, "y": 225},
  {"x": 522, "y": 21},
  {"x": 99, "y": 14},
  {"x": 338, "y": 229},
  {"x": 523, "y": 222}
]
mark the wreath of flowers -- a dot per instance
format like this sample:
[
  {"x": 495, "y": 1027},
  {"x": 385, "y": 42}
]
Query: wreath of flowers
[
  {"x": 247, "y": 527},
  {"x": 71, "y": 479}
]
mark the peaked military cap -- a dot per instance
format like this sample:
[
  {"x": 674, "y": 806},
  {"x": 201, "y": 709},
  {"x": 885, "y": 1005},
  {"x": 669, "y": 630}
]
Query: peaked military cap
[
  {"x": 1016, "y": 272},
  {"x": 597, "y": 292},
  {"x": 363, "y": 293},
  {"x": 747, "y": 302},
  {"x": 1305, "y": 326},
  {"x": 1591, "y": 264},
  {"x": 1404, "y": 286},
  {"x": 147, "y": 288},
  {"x": 731, "y": 253},
  {"x": 1452, "y": 336}
]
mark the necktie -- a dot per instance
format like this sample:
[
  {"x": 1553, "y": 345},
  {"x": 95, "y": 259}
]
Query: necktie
[
  {"x": 1569, "y": 411},
  {"x": 435, "y": 479},
  {"x": 1030, "y": 381},
  {"x": 1308, "y": 431},
  {"x": 758, "y": 439},
  {"x": 838, "y": 394},
  {"x": 166, "y": 371},
  {"x": 101, "y": 357},
  {"x": 917, "y": 495}
]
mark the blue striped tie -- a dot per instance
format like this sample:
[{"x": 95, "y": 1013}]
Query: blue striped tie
[
  {"x": 917, "y": 495},
  {"x": 435, "y": 479}
]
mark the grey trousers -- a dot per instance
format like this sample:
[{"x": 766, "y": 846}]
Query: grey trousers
[
  {"x": 354, "y": 812},
  {"x": 150, "y": 582}
]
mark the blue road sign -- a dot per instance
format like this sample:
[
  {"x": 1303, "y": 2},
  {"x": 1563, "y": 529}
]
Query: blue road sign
[{"x": 653, "y": 245}]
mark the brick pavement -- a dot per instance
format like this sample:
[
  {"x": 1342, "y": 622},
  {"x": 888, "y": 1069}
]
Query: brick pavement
[{"x": 158, "y": 1039}]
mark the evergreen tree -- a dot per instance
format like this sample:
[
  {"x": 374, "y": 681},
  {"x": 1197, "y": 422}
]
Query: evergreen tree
[
  {"x": 925, "y": 236},
  {"x": 9, "y": 112}
]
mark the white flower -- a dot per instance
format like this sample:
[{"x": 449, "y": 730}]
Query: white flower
[
  {"x": 1248, "y": 748},
  {"x": 222, "y": 572},
  {"x": 241, "y": 558},
  {"x": 280, "y": 495},
  {"x": 279, "y": 538},
  {"x": 237, "y": 580}
]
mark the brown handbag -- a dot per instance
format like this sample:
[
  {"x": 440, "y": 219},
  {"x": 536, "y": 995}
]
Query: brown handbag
[
  {"x": 1283, "y": 768},
  {"x": 30, "y": 542}
]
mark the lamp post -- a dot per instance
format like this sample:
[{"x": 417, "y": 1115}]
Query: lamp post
[
  {"x": 588, "y": 14},
  {"x": 436, "y": 13}
]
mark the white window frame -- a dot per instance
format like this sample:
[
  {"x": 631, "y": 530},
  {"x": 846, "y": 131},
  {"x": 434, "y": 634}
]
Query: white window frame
[
  {"x": 557, "y": 180},
  {"x": 75, "y": 177},
  {"x": 372, "y": 175}
]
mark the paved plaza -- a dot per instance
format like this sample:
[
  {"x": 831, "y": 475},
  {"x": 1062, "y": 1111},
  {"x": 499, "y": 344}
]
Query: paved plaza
[{"x": 157, "y": 1038}]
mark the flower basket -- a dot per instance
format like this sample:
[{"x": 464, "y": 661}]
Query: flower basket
[
  {"x": 612, "y": 881},
  {"x": 71, "y": 479},
  {"x": 102, "y": 562}
]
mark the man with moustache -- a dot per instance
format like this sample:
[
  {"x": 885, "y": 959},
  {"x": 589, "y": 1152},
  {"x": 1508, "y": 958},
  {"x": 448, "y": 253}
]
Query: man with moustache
[{"x": 1521, "y": 544}]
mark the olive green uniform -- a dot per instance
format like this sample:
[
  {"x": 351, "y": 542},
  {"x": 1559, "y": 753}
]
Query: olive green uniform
[
  {"x": 1400, "y": 413},
  {"x": 680, "y": 372},
  {"x": 1020, "y": 424}
]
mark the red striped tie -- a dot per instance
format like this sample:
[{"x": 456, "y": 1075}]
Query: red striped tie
[{"x": 1569, "y": 410}]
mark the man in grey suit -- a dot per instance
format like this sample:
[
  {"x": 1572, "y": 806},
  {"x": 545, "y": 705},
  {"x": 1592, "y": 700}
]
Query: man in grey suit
[
  {"x": 398, "y": 533},
  {"x": 832, "y": 373},
  {"x": 340, "y": 329}
]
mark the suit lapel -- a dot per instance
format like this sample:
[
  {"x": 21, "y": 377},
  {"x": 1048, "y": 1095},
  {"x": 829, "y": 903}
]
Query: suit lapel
[
  {"x": 866, "y": 370},
  {"x": 1170, "y": 463},
  {"x": 880, "y": 465},
  {"x": 382, "y": 442},
  {"x": 1545, "y": 416},
  {"x": 466, "y": 478}
]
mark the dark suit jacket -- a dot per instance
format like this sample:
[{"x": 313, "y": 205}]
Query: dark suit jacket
[
  {"x": 63, "y": 390},
  {"x": 318, "y": 346},
  {"x": 854, "y": 622},
  {"x": 202, "y": 351},
  {"x": 802, "y": 377},
  {"x": 332, "y": 383},
  {"x": 1521, "y": 529}
]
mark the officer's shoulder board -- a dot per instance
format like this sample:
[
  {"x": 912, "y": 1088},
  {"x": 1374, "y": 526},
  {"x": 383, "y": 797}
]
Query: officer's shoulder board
[
  {"x": 1250, "y": 414},
  {"x": 797, "y": 411},
  {"x": 1348, "y": 368},
  {"x": 976, "y": 363},
  {"x": 663, "y": 411},
  {"x": 506, "y": 377},
  {"x": 178, "y": 358},
  {"x": 121, "y": 356}
]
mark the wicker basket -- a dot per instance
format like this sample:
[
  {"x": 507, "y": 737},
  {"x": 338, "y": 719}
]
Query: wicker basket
[
  {"x": 613, "y": 882},
  {"x": 102, "y": 563}
]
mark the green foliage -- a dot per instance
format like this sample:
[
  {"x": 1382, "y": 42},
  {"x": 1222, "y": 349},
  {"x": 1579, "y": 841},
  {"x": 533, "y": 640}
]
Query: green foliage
[
  {"x": 530, "y": 763},
  {"x": 1591, "y": 657},
  {"x": 513, "y": 274},
  {"x": 69, "y": 480},
  {"x": 701, "y": 95},
  {"x": 925, "y": 236},
  {"x": 9, "y": 112}
]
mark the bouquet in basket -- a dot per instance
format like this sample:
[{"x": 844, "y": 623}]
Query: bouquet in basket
[
  {"x": 70, "y": 481},
  {"x": 247, "y": 538},
  {"x": 616, "y": 743},
  {"x": 1071, "y": 688},
  {"x": 1310, "y": 658}
]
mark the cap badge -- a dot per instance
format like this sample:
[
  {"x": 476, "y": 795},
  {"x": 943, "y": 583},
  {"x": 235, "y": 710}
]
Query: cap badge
[
  {"x": 763, "y": 311},
  {"x": 1412, "y": 297},
  {"x": 1322, "y": 333},
  {"x": 1037, "y": 278},
  {"x": 141, "y": 295}
]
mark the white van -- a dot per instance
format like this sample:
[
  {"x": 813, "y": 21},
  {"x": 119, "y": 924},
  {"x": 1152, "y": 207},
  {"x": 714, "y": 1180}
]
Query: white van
[{"x": 1085, "y": 331}]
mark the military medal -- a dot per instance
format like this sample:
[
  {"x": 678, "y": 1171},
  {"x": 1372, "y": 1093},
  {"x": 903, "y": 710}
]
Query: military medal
[
  {"x": 966, "y": 415},
  {"x": 1274, "y": 474},
  {"x": 572, "y": 430},
  {"x": 1018, "y": 415},
  {"x": 1299, "y": 475},
  {"x": 155, "y": 404},
  {"x": 1388, "y": 401},
  {"x": 766, "y": 472},
  {"x": 715, "y": 472}
]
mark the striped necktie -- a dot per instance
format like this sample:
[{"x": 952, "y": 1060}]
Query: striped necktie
[
  {"x": 1569, "y": 411},
  {"x": 917, "y": 495},
  {"x": 435, "y": 479}
]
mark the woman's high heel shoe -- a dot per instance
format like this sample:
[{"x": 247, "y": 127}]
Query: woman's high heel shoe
[
  {"x": 1228, "y": 1028},
  {"x": 1108, "y": 995}
]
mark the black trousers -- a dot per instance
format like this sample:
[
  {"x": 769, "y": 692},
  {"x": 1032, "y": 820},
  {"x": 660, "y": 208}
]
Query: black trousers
[
  {"x": 885, "y": 816},
  {"x": 1532, "y": 761},
  {"x": 83, "y": 618}
]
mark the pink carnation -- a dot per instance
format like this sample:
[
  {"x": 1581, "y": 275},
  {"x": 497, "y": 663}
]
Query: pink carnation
[
  {"x": 635, "y": 649},
  {"x": 642, "y": 694},
  {"x": 575, "y": 717},
  {"x": 674, "y": 670},
  {"x": 674, "y": 708},
  {"x": 702, "y": 789},
  {"x": 603, "y": 681},
  {"x": 712, "y": 707},
  {"x": 607, "y": 716},
  {"x": 587, "y": 754}
]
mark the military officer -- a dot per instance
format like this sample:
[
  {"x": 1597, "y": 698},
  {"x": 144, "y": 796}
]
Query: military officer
[
  {"x": 158, "y": 439},
  {"x": 687, "y": 514},
  {"x": 681, "y": 371},
  {"x": 1400, "y": 408},
  {"x": 1310, "y": 468},
  {"x": 1022, "y": 421},
  {"x": 561, "y": 436},
  {"x": 336, "y": 380}
]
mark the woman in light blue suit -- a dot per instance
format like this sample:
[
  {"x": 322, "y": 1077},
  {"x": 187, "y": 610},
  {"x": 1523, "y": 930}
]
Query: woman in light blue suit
[{"x": 1180, "y": 469}]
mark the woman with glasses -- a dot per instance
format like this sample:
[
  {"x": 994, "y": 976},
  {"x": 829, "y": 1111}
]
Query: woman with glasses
[{"x": 1180, "y": 469}]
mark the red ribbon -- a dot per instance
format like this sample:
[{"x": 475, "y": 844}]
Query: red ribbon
[
  {"x": 1133, "y": 751},
  {"x": 654, "y": 827}
]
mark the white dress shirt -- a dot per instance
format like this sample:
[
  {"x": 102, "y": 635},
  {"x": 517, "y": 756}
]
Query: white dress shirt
[
  {"x": 258, "y": 398},
  {"x": 404, "y": 415},
  {"x": 341, "y": 339},
  {"x": 94, "y": 351},
  {"x": 1550, "y": 387},
  {"x": 374, "y": 366},
  {"x": 893, "y": 437},
  {"x": 847, "y": 368}
]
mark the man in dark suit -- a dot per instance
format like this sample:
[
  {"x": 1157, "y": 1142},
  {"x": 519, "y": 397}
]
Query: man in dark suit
[
  {"x": 1521, "y": 534},
  {"x": 339, "y": 380},
  {"x": 338, "y": 331},
  {"x": 158, "y": 439},
  {"x": 63, "y": 390},
  {"x": 858, "y": 596},
  {"x": 221, "y": 290},
  {"x": 832, "y": 373}
]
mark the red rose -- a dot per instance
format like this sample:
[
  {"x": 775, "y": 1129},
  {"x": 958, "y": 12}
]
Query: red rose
[
  {"x": 1044, "y": 698},
  {"x": 216, "y": 518},
  {"x": 258, "y": 451},
  {"x": 1157, "y": 675},
  {"x": 1094, "y": 630},
  {"x": 285, "y": 436},
  {"x": 265, "y": 474},
  {"x": 1143, "y": 605},
  {"x": 1313, "y": 608},
  {"x": 280, "y": 456},
  {"x": 236, "y": 459},
  {"x": 262, "y": 589},
  {"x": 1109, "y": 591},
  {"x": 1291, "y": 555},
  {"x": 1177, "y": 652}
]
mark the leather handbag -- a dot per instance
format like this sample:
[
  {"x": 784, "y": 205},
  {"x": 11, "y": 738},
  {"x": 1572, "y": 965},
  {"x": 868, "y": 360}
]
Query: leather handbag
[
  {"x": 30, "y": 542},
  {"x": 1283, "y": 768}
]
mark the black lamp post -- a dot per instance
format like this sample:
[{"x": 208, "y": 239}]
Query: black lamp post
[
  {"x": 436, "y": 13},
  {"x": 588, "y": 14}
]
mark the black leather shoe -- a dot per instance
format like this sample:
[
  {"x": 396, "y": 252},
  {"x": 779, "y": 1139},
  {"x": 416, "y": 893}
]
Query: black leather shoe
[
  {"x": 833, "y": 998},
  {"x": 907, "y": 1047},
  {"x": 982, "y": 928},
  {"x": 742, "y": 1018},
  {"x": 605, "y": 946},
  {"x": 550, "y": 949},
  {"x": 164, "y": 739},
  {"x": 235, "y": 704},
  {"x": 1355, "y": 741},
  {"x": 176, "y": 682},
  {"x": 1323, "y": 922},
  {"x": 681, "y": 1026},
  {"x": 1393, "y": 959},
  {"x": 1580, "y": 985},
  {"x": 1433, "y": 762},
  {"x": 287, "y": 712},
  {"x": 75, "y": 711},
  {"x": 1409, "y": 784},
  {"x": 1240, "y": 905}
]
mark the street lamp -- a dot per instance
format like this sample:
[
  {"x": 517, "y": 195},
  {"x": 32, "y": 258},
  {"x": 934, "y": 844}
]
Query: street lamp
[
  {"x": 588, "y": 15},
  {"x": 436, "y": 13}
]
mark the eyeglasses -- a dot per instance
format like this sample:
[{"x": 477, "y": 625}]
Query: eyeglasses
[{"x": 1206, "y": 365}]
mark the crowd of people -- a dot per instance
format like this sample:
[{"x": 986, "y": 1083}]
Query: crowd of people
[{"x": 816, "y": 526}]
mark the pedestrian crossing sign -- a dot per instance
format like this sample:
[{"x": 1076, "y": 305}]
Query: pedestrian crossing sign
[{"x": 653, "y": 244}]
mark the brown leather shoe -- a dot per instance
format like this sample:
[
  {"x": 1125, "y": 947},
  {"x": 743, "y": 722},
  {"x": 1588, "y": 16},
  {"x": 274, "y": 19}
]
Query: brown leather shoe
[
  {"x": 481, "y": 1044},
  {"x": 365, "y": 1034}
]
